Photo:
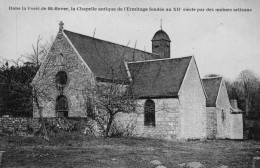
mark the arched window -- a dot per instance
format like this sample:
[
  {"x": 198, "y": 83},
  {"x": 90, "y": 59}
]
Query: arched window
[
  {"x": 149, "y": 113},
  {"x": 62, "y": 106}
]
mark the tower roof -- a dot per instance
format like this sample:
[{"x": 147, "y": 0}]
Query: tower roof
[{"x": 161, "y": 35}]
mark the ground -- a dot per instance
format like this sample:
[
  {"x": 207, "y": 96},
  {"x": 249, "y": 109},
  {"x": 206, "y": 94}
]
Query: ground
[{"x": 73, "y": 150}]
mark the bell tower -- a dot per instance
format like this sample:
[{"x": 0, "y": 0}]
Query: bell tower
[{"x": 161, "y": 44}]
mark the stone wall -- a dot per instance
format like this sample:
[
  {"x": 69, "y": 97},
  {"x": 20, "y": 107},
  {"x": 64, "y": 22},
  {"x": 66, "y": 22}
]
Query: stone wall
[
  {"x": 183, "y": 118},
  {"x": 237, "y": 126},
  {"x": 32, "y": 126},
  {"x": 192, "y": 105},
  {"x": 13, "y": 125},
  {"x": 229, "y": 125},
  {"x": 211, "y": 122},
  {"x": 224, "y": 122},
  {"x": 63, "y": 56},
  {"x": 166, "y": 120}
]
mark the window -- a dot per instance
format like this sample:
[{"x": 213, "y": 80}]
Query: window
[
  {"x": 149, "y": 113},
  {"x": 61, "y": 80},
  {"x": 90, "y": 109},
  {"x": 223, "y": 116},
  {"x": 62, "y": 106}
]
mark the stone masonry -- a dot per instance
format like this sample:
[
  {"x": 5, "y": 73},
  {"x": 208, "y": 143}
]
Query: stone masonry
[
  {"x": 192, "y": 105},
  {"x": 175, "y": 118},
  {"x": 62, "y": 56}
]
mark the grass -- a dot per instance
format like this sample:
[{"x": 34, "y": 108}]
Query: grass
[{"x": 73, "y": 150}]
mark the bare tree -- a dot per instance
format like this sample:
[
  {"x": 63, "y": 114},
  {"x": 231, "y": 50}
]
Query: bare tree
[
  {"x": 109, "y": 99},
  {"x": 39, "y": 51},
  {"x": 29, "y": 89},
  {"x": 247, "y": 84}
]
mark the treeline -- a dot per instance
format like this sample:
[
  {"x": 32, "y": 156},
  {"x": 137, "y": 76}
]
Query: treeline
[
  {"x": 246, "y": 90},
  {"x": 15, "y": 89},
  {"x": 16, "y": 98}
]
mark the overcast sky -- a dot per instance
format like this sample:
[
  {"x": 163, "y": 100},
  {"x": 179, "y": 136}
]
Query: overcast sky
[{"x": 222, "y": 42}]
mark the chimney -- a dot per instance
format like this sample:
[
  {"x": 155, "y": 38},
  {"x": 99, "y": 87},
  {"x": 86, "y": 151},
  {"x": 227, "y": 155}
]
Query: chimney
[{"x": 233, "y": 103}]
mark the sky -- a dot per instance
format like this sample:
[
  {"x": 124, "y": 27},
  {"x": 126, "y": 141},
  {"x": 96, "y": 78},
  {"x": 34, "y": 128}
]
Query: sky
[{"x": 222, "y": 42}]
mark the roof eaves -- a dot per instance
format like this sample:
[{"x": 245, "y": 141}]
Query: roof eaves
[
  {"x": 236, "y": 111},
  {"x": 200, "y": 78},
  {"x": 212, "y": 77},
  {"x": 128, "y": 72},
  {"x": 158, "y": 96},
  {"x": 187, "y": 70},
  {"x": 157, "y": 60},
  {"x": 218, "y": 91}
]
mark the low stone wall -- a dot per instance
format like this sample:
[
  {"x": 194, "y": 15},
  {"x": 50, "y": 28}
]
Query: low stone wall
[
  {"x": 13, "y": 125},
  {"x": 32, "y": 126}
]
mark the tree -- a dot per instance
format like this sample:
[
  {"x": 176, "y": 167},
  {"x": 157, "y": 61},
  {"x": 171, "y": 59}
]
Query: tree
[
  {"x": 15, "y": 90},
  {"x": 247, "y": 86},
  {"x": 39, "y": 52},
  {"x": 108, "y": 99},
  {"x": 17, "y": 85}
]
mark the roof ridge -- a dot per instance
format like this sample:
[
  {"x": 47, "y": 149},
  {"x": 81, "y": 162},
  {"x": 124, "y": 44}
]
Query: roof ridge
[
  {"x": 212, "y": 77},
  {"x": 111, "y": 42},
  {"x": 162, "y": 59}
]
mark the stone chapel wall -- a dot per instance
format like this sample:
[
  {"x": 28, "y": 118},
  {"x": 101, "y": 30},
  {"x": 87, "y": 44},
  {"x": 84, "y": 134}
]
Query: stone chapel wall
[
  {"x": 62, "y": 56},
  {"x": 211, "y": 122},
  {"x": 192, "y": 105},
  {"x": 224, "y": 117},
  {"x": 166, "y": 120}
]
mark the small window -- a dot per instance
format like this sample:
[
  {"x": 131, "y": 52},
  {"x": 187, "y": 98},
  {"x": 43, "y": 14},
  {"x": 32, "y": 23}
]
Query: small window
[
  {"x": 156, "y": 46},
  {"x": 223, "y": 115},
  {"x": 149, "y": 113},
  {"x": 61, "y": 78},
  {"x": 90, "y": 109}
]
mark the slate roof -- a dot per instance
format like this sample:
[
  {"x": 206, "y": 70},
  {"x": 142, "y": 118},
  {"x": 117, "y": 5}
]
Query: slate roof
[
  {"x": 211, "y": 86},
  {"x": 161, "y": 35},
  {"x": 159, "y": 78},
  {"x": 106, "y": 59}
]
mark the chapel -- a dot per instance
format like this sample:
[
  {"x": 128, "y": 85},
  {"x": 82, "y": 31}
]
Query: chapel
[{"x": 171, "y": 94}]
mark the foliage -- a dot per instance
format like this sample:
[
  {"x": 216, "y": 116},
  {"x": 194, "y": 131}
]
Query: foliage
[
  {"x": 109, "y": 99},
  {"x": 15, "y": 90},
  {"x": 120, "y": 129},
  {"x": 246, "y": 90}
]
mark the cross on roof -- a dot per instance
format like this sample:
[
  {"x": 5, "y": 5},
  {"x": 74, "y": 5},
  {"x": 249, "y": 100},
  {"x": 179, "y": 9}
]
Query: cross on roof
[{"x": 61, "y": 25}]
